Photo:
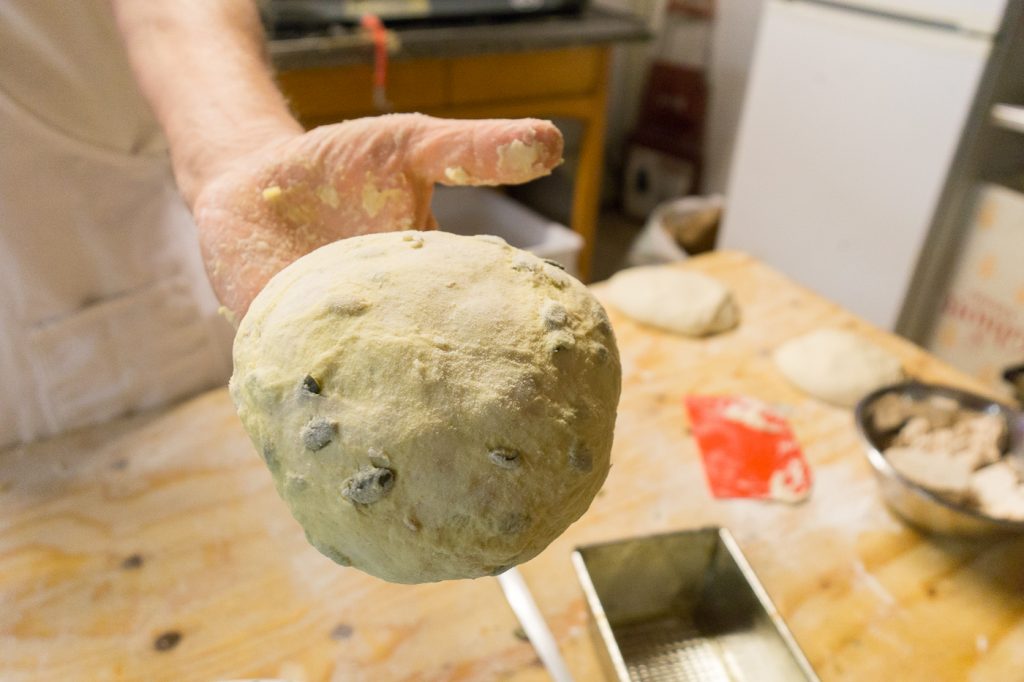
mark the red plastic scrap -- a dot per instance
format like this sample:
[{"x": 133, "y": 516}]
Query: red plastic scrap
[{"x": 747, "y": 449}]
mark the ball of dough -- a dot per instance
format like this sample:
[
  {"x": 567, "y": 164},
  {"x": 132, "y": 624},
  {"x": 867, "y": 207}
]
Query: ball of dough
[
  {"x": 836, "y": 366},
  {"x": 430, "y": 406},
  {"x": 674, "y": 299}
]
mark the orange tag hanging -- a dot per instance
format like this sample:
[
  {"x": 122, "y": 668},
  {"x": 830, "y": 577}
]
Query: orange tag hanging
[
  {"x": 747, "y": 449},
  {"x": 379, "y": 36}
]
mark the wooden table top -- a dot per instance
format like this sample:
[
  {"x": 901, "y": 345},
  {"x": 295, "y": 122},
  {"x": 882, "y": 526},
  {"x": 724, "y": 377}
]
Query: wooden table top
[{"x": 156, "y": 548}]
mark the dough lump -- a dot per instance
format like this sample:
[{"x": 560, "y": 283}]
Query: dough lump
[
  {"x": 836, "y": 366},
  {"x": 430, "y": 406},
  {"x": 673, "y": 299}
]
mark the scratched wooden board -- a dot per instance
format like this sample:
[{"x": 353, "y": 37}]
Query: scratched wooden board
[{"x": 157, "y": 549}]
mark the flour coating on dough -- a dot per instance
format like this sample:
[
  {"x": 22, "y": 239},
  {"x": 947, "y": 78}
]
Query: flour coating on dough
[{"x": 430, "y": 406}]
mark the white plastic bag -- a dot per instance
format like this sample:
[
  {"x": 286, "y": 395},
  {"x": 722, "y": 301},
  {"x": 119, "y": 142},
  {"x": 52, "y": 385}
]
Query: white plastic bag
[{"x": 655, "y": 244}]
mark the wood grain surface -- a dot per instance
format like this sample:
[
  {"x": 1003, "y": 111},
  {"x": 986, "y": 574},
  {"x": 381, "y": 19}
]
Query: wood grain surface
[{"x": 155, "y": 548}]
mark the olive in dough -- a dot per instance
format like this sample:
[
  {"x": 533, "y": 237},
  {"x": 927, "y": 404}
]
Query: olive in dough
[
  {"x": 430, "y": 406},
  {"x": 837, "y": 366},
  {"x": 673, "y": 299}
]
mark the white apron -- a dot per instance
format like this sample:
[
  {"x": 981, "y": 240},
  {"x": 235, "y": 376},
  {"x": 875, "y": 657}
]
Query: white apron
[{"x": 104, "y": 305}]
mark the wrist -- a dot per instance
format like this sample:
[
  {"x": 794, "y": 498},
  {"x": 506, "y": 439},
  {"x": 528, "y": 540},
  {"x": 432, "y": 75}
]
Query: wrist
[{"x": 196, "y": 166}]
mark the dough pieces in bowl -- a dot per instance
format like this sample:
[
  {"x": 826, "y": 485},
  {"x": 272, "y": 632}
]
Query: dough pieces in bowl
[
  {"x": 430, "y": 406},
  {"x": 674, "y": 299},
  {"x": 837, "y": 366}
]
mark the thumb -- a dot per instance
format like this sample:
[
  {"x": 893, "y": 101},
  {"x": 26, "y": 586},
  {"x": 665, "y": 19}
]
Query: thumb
[{"x": 485, "y": 152}]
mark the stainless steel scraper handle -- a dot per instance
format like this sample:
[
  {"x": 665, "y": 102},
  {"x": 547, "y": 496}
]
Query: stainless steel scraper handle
[{"x": 519, "y": 598}]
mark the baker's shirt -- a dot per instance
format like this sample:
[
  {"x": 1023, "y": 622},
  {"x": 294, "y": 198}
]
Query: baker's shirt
[{"x": 104, "y": 305}]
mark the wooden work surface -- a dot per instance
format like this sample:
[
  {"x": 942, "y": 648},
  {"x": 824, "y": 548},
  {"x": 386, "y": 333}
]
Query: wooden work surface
[{"x": 157, "y": 549}]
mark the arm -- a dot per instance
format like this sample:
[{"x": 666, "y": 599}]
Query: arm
[
  {"x": 262, "y": 191},
  {"x": 202, "y": 66}
]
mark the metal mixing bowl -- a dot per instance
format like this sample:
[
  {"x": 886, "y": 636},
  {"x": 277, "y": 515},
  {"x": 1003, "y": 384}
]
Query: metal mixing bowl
[{"x": 914, "y": 503}]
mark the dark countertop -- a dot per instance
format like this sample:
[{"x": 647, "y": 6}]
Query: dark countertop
[{"x": 339, "y": 46}]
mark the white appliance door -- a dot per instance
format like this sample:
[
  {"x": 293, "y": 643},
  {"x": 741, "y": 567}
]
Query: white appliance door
[
  {"x": 849, "y": 126},
  {"x": 969, "y": 15}
]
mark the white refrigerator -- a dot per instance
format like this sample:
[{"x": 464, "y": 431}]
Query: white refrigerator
[{"x": 851, "y": 119}]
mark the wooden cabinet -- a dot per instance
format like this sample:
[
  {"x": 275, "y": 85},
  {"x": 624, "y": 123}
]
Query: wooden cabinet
[{"x": 567, "y": 82}]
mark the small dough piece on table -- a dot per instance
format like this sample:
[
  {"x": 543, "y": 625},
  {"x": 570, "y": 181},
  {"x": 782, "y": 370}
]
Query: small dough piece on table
[
  {"x": 674, "y": 299},
  {"x": 431, "y": 406},
  {"x": 836, "y": 366}
]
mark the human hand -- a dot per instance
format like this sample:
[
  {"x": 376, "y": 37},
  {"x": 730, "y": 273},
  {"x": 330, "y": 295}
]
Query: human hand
[{"x": 301, "y": 191}]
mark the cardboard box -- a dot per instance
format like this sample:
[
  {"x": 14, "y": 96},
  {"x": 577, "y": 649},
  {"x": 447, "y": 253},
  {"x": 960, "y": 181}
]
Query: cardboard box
[{"x": 981, "y": 326}]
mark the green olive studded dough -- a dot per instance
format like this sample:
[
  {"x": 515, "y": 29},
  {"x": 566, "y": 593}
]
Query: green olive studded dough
[{"x": 431, "y": 406}]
